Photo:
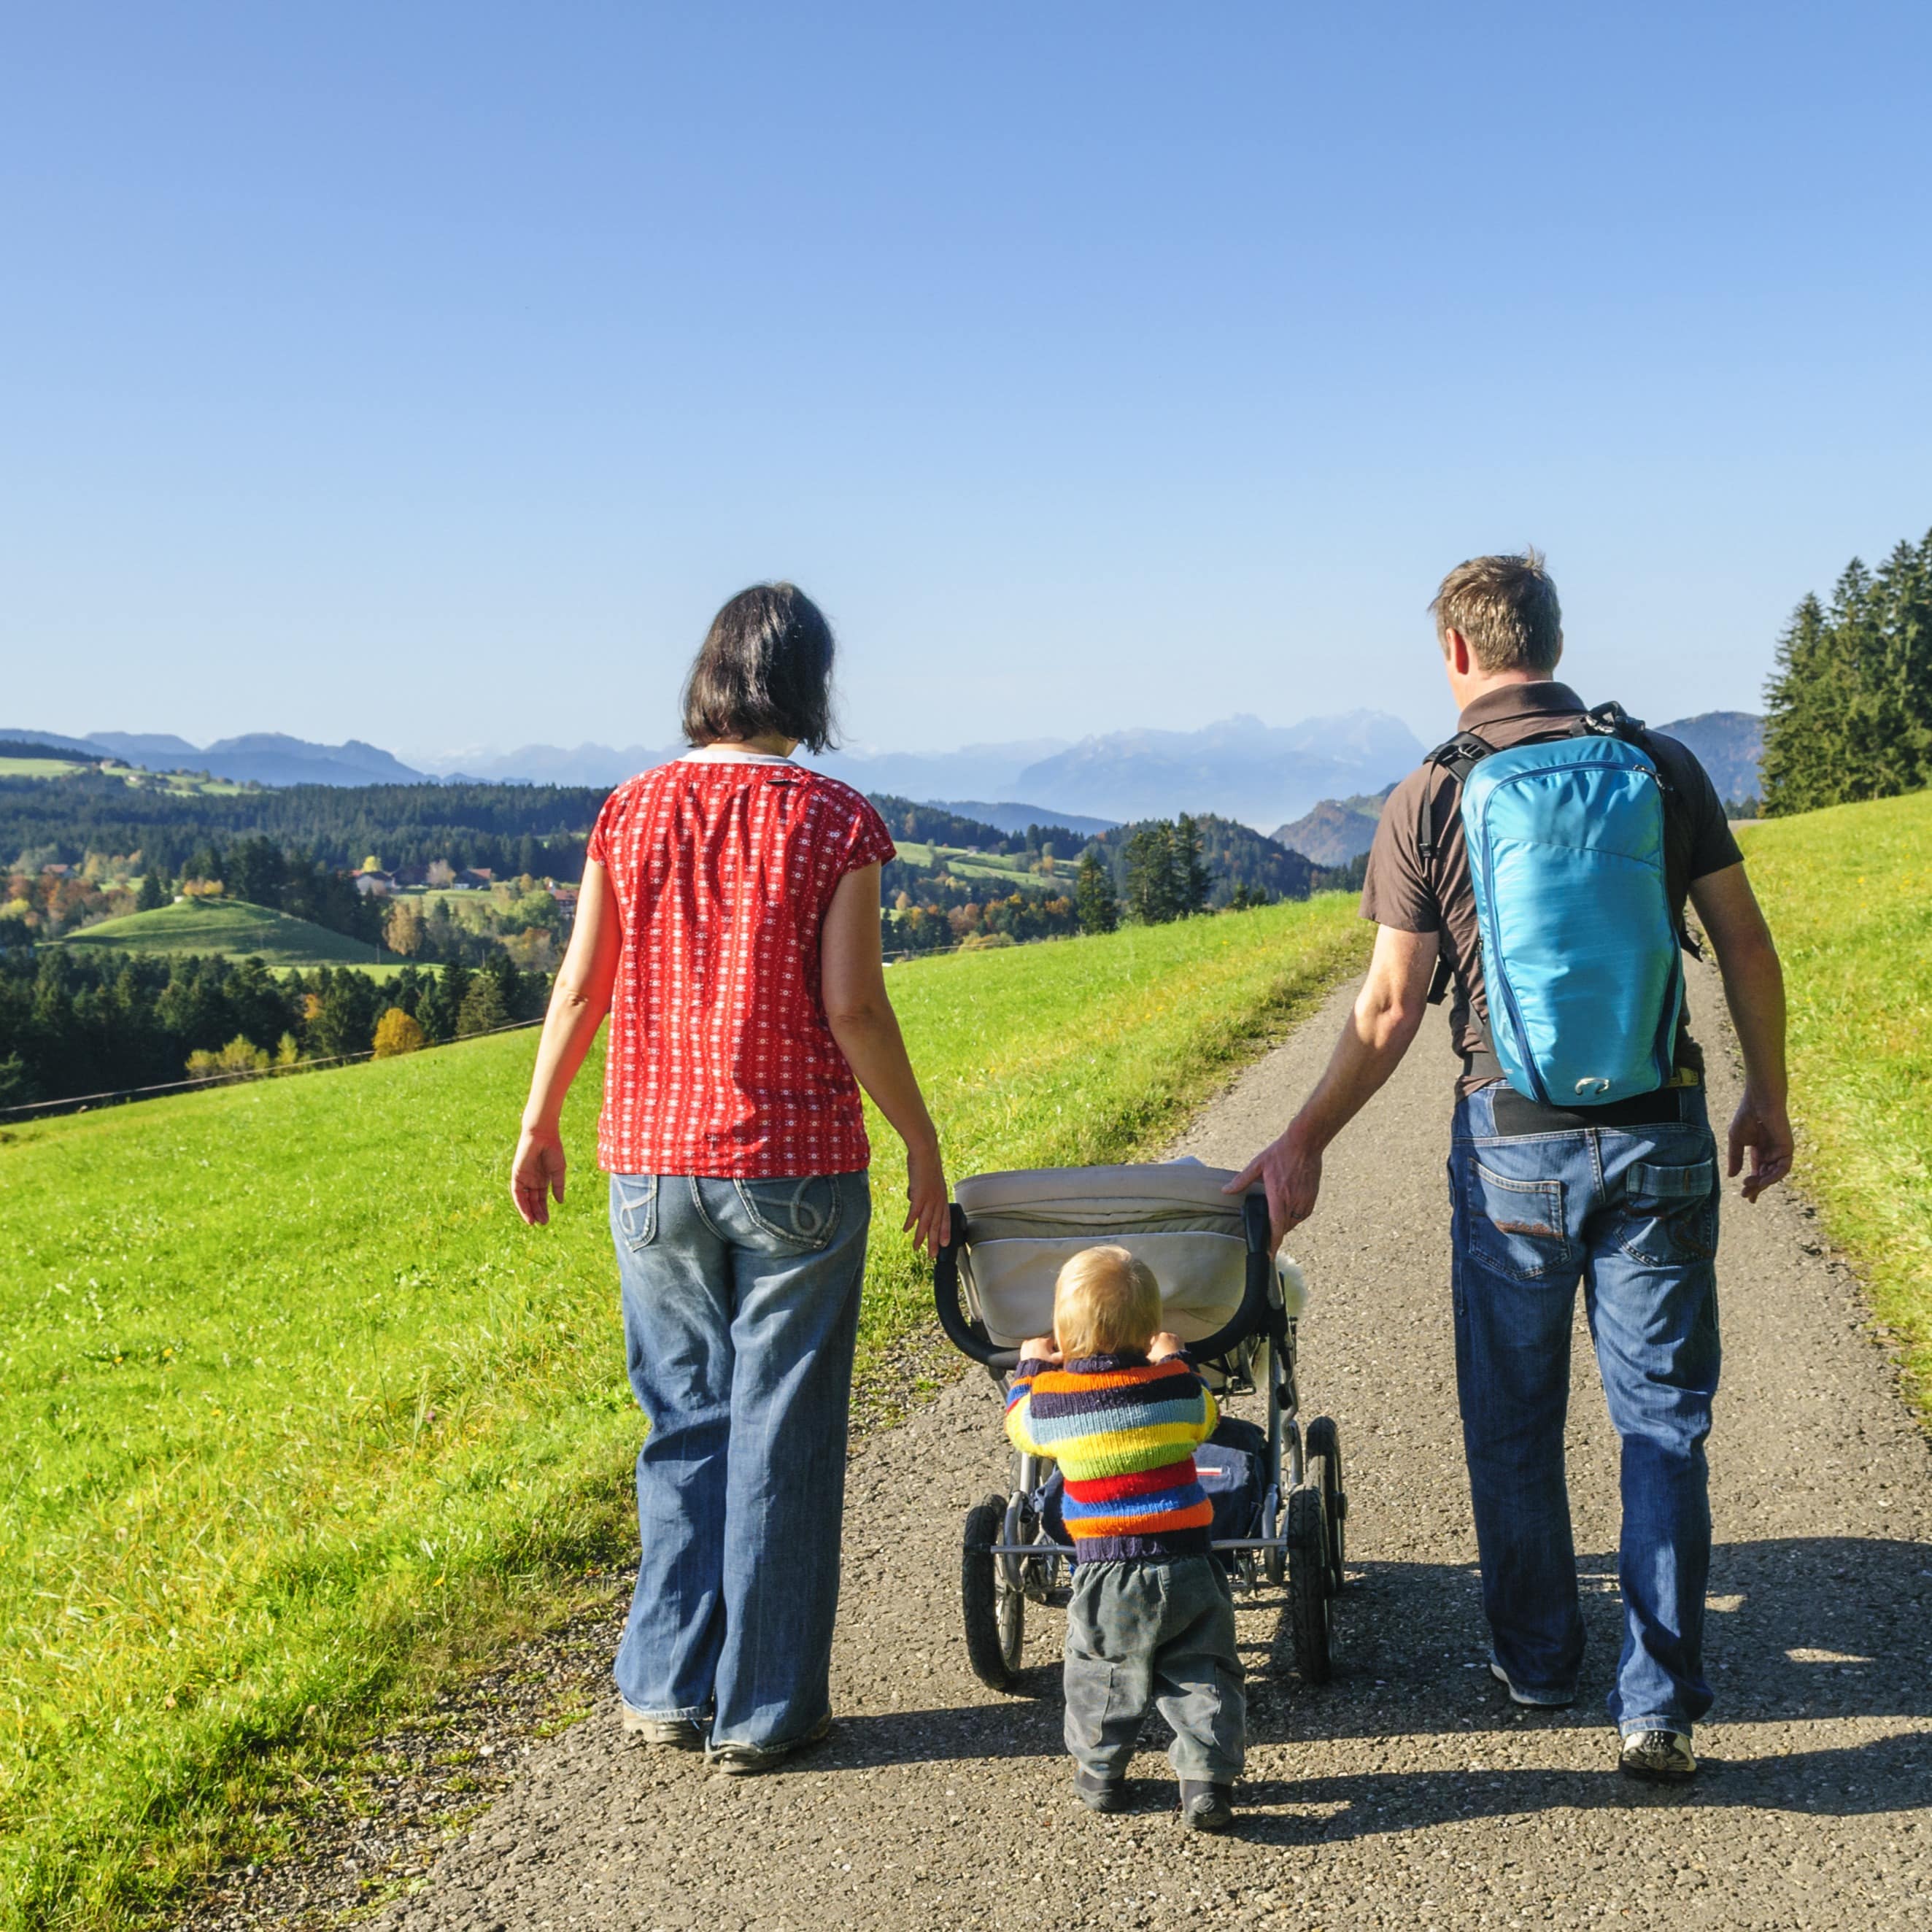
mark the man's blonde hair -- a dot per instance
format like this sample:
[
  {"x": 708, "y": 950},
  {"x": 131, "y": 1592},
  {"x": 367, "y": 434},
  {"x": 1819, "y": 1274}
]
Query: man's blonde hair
[
  {"x": 1105, "y": 1300},
  {"x": 1506, "y": 607}
]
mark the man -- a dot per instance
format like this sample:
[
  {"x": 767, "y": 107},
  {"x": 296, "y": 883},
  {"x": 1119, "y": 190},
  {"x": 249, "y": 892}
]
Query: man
[{"x": 1623, "y": 1196}]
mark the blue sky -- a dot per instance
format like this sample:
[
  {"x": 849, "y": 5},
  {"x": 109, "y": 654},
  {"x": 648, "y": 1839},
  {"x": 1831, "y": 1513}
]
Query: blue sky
[{"x": 429, "y": 373}]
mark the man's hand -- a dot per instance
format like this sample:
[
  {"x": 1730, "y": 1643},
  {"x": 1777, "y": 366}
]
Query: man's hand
[
  {"x": 1765, "y": 1130},
  {"x": 1291, "y": 1173},
  {"x": 1041, "y": 1348},
  {"x": 1165, "y": 1344},
  {"x": 536, "y": 1172},
  {"x": 1387, "y": 1011}
]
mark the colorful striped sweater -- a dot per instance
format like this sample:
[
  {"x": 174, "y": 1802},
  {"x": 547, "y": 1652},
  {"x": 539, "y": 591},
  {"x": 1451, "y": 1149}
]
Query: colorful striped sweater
[{"x": 1123, "y": 1431}]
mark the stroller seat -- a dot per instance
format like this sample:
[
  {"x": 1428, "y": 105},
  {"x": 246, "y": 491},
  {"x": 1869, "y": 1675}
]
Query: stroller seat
[{"x": 1021, "y": 1227}]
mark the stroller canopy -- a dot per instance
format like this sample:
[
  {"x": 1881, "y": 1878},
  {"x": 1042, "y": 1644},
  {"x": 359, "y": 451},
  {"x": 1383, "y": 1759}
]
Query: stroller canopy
[{"x": 1022, "y": 1227}]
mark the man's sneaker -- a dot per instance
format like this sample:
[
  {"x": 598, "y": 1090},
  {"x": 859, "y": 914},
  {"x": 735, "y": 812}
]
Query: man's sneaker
[
  {"x": 1658, "y": 1757},
  {"x": 1536, "y": 1700},
  {"x": 1207, "y": 1807},
  {"x": 1098, "y": 1793},
  {"x": 671, "y": 1733},
  {"x": 747, "y": 1760}
]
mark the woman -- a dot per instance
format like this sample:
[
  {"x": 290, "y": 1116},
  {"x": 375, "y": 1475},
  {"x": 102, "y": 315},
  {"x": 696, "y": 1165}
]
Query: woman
[{"x": 729, "y": 923}]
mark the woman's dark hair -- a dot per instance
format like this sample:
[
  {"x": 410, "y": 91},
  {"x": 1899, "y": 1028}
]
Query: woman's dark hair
[{"x": 765, "y": 668}]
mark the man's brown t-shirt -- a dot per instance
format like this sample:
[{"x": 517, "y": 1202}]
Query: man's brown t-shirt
[{"x": 1400, "y": 890}]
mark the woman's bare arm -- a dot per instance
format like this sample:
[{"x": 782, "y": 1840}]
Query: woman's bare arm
[
  {"x": 852, "y": 982},
  {"x": 578, "y": 1002}
]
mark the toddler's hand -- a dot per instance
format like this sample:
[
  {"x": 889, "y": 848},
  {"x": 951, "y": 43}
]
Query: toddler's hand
[
  {"x": 1041, "y": 1348},
  {"x": 1165, "y": 1345}
]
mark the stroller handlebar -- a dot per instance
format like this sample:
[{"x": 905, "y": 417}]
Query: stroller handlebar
[{"x": 1257, "y": 1304}]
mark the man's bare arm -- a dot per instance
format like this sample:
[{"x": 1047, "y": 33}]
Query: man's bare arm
[
  {"x": 1754, "y": 992},
  {"x": 1388, "y": 1010}
]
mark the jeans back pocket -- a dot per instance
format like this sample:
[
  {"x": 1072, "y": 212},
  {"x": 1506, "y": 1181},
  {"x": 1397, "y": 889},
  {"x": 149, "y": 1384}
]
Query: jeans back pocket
[
  {"x": 1670, "y": 1211},
  {"x": 1516, "y": 1226},
  {"x": 801, "y": 1213},
  {"x": 634, "y": 1209}
]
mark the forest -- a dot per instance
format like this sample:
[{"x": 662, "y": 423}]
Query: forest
[
  {"x": 1848, "y": 707},
  {"x": 77, "y": 1023}
]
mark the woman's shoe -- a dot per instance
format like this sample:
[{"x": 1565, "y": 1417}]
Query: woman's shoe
[
  {"x": 1207, "y": 1807},
  {"x": 747, "y": 1760},
  {"x": 667, "y": 1733}
]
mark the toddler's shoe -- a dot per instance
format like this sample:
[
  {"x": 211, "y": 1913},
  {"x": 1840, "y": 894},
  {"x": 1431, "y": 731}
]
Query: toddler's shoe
[
  {"x": 1098, "y": 1794},
  {"x": 1207, "y": 1807}
]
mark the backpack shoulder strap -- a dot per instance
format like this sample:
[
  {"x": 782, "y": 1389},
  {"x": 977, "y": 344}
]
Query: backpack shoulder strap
[{"x": 1459, "y": 757}]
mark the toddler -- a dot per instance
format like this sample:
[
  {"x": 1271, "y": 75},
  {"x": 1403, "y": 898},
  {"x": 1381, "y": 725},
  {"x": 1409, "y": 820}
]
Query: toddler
[{"x": 1110, "y": 1397}]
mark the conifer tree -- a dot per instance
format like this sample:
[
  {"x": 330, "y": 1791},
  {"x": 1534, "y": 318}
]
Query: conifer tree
[
  {"x": 1095, "y": 901},
  {"x": 1150, "y": 874},
  {"x": 1192, "y": 882}
]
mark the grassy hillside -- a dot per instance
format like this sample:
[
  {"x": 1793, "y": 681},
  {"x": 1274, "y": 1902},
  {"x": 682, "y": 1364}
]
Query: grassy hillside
[
  {"x": 41, "y": 768},
  {"x": 300, "y": 1416},
  {"x": 1849, "y": 893},
  {"x": 229, "y": 927}
]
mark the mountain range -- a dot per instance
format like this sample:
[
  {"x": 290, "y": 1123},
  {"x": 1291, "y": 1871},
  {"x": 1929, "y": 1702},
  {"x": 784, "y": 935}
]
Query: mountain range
[
  {"x": 1240, "y": 769},
  {"x": 1319, "y": 781},
  {"x": 260, "y": 757}
]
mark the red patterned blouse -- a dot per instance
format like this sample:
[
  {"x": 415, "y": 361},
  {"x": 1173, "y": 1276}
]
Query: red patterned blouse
[{"x": 719, "y": 1059}]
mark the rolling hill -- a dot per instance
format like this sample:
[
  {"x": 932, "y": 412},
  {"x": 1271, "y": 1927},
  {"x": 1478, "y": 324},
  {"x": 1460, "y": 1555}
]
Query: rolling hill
[{"x": 229, "y": 927}]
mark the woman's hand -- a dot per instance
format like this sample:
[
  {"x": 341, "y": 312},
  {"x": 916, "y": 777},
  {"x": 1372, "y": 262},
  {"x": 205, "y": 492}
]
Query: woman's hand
[
  {"x": 929, "y": 1213},
  {"x": 537, "y": 1172}
]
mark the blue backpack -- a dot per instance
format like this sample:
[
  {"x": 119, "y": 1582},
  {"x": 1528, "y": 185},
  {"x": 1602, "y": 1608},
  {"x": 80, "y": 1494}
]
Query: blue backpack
[{"x": 1576, "y": 907}]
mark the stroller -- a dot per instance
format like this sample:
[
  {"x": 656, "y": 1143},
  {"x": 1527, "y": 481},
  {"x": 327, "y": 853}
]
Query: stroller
[{"x": 1280, "y": 1510}]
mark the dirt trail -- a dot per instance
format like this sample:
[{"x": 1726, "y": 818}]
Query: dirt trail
[{"x": 1407, "y": 1793}]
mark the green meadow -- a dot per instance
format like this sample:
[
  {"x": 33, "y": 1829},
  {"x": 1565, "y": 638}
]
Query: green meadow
[
  {"x": 230, "y": 928},
  {"x": 300, "y": 1420},
  {"x": 1849, "y": 893}
]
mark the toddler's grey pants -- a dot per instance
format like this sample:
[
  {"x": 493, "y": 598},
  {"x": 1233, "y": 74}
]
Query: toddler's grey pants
[{"x": 1157, "y": 1632}]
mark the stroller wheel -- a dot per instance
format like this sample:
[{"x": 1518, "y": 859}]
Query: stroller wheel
[
  {"x": 1325, "y": 1472},
  {"x": 994, "y": 1609},
  {"x": 1308, "y": 1590}
]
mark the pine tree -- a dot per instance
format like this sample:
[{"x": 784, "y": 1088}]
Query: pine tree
[
  {"x": 482, "y": 1010},
  {"x": 1192, "y": 882},
  {"x": 153, "y": 894},
  {"x": 1794, "y": 775},
  {"x": 1095, "y": 900},
  {"x": 1150, "y": 874}
]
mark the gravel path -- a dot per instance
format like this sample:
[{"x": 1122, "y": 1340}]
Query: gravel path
[{"x": 1407, "y": 1793}]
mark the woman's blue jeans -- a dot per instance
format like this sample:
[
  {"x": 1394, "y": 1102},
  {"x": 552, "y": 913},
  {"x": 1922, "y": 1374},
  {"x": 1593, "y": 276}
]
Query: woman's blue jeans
[
  {"x": 1632, "y": 1213},
  {"x": 741, "y": 1309}
]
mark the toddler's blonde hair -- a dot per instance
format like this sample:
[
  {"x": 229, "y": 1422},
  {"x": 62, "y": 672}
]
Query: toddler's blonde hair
[{"x": 1105, "y": 1300}]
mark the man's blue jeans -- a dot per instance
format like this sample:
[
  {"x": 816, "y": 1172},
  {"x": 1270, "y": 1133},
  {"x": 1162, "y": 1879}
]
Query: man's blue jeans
[
  {"x": 1631, "y": 1212},
  {"x": 741, "y": 1309}
]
